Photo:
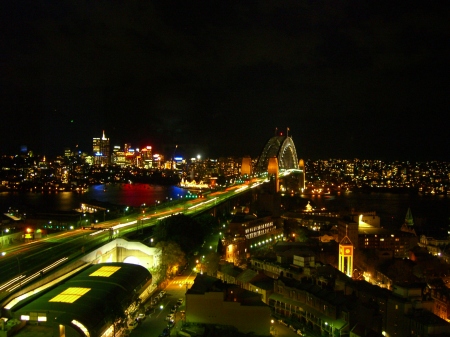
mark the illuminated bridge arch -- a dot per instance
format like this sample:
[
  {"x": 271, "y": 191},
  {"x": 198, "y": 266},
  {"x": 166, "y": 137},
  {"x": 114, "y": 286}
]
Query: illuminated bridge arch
[{"x": 281, "y": 147}]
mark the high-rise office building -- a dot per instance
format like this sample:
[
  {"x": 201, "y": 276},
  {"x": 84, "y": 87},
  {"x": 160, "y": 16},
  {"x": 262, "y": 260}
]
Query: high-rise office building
[
  {"x": 101, "y": 150},
  {"x": 147, "y": 157}
]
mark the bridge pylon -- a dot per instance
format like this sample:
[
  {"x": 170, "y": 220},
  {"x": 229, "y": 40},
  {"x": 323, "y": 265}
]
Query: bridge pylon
[
  {"x": 246, "y": 167},
  {"x": 273, "y": 170}
]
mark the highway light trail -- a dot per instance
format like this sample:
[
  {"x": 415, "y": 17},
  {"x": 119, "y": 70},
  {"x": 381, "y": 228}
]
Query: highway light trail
[
  {"x": 16, "y": 300},
  {"x": 37, "y": 274},
  {"x": 202, "y": 203},
  {"x": 240, "y": 189},
  {"x": 14, "y": 280}
]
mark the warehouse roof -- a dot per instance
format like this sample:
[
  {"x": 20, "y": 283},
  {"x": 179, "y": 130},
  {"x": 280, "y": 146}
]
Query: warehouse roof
[{"x": 87, "y": 300}]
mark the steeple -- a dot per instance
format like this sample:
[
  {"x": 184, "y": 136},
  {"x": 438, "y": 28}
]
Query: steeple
[
  {"x": 408, "y": 225},
  {"x": 409, "y": 220}
]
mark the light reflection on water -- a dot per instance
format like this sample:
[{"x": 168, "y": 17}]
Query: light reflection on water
[
  {"x": 433, "y": 210},
  {"x": 118, "y": 194}
]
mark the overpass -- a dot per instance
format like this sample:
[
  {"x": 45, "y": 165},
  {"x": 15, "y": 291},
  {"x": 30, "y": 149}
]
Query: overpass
[
  {"x": 55, "y": 253},
  {"x": 36, "y": 261}
]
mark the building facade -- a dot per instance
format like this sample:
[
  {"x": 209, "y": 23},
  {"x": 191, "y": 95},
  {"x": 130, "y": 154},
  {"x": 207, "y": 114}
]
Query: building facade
[{"x": 101, "y": 150}]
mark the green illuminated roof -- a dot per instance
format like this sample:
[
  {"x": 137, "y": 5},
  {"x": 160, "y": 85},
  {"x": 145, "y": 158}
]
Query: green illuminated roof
[{"x": 88, "y": 296}]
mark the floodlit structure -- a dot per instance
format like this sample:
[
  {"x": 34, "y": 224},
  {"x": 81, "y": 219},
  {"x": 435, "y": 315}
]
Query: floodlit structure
[
  {"x": 282, "y": 148},
  {"x": 346, "y": 256},
  {"x": 279, "y": 160},
  {"x": 89, "y": 303}
]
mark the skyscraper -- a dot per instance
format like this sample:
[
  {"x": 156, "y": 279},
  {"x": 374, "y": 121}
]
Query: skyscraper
[
  {"x": 147, "y": 158},
  {"x": 101, "y": 150}
]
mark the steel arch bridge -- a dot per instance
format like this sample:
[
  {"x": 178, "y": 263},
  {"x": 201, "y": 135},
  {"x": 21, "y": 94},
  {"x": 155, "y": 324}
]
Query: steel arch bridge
[{"x": 281, "y": 147}]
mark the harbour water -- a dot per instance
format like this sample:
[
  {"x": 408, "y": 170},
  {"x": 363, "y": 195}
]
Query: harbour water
[
  {"x": 133, "y": 195},
  {"x": 431, "y": 211},
  {"x": 427, "y": 210}
]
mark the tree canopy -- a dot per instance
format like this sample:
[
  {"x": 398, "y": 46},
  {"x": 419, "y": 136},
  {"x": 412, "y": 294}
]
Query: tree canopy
[
  {"x": 172, "y": 257},
  {"x": 181, "y": 229}
]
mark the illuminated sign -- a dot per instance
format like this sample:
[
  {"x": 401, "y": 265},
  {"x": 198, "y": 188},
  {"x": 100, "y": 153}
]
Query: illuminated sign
[{"x": 178, "y": 158}]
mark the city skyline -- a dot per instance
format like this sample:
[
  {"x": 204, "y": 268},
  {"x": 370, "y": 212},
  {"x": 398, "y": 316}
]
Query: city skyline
[{"x": 350, "y": 80}]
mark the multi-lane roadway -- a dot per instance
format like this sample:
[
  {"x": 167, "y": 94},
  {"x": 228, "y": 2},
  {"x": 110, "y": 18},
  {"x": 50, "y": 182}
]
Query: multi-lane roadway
[{"x": 24, "y": 263}]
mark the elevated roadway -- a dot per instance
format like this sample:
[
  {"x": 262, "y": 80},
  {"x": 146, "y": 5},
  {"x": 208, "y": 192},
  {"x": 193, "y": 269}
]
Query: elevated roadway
[{"x": 23, "y": 264}]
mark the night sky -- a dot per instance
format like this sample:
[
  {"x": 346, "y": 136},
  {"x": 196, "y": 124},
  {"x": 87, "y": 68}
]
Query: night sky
[{"x": 351, "y": 79}]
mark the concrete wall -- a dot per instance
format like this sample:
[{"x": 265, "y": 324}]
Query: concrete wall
[{"x": 120, "y": 250}]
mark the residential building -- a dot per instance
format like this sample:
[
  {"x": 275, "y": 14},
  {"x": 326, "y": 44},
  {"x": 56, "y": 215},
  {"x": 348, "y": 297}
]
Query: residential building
[{"x": 211, "y": 301}]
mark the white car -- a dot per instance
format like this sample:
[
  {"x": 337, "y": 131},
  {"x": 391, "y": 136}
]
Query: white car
[
  {"x": 169, "y": 317},
  {"x": 132, "y": 325}
]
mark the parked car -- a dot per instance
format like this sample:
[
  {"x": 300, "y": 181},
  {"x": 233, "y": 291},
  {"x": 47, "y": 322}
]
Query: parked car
[
  {"x": 132, "y": 325},
  {"x": 300, "y": 333},
  {"x": 180, "y": 301},
  {"x": 282, "y": 322},
  {"x": 292, "y": 328},
  {"x": 149, "y": 310},
  {"x": 169, "y": 317}
]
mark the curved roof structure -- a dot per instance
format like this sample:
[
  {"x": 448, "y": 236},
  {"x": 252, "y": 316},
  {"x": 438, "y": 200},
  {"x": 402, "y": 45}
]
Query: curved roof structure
[
  {"x": 84, "y": 302},
  {"x": 281, "y": 147}
]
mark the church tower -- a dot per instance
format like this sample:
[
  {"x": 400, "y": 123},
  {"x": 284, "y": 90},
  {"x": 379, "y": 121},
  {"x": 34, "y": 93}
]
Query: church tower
[
  {"x": 408, "y": 225},
  {"x": 346, "y": 256}
]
